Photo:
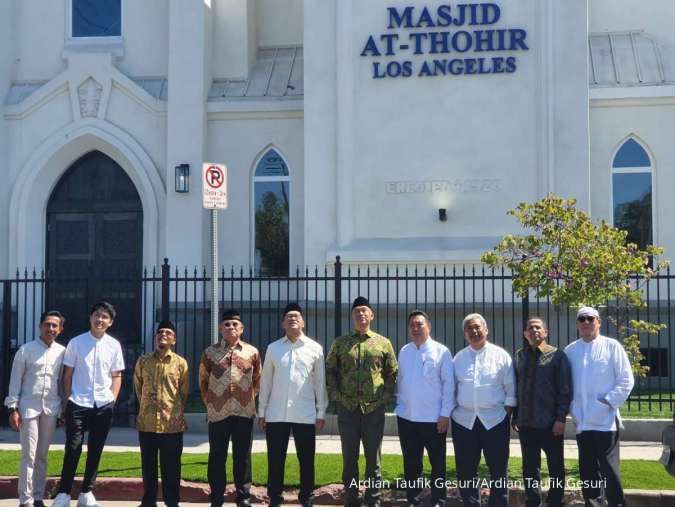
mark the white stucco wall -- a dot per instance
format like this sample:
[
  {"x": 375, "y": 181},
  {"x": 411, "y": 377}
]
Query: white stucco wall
[
  {"x": 146, "y": 38},
  {"x": 233, "y": 38},
  {"x": 41, "y": 31},
  {"x": 320, "y": 130},
  {"x": 525, "y": 132},
  {"x": 279, "y": 22},
  {"x": 7, "y": 40},
  {"x": 39, "y": 28},
  {"x": 355, "y": 134},
  {"x": 239, "y": 142},
  {"x": 148, "y": 127},
  {"x": 652, "y": 122},
  {"x": 655, "y": 17}
]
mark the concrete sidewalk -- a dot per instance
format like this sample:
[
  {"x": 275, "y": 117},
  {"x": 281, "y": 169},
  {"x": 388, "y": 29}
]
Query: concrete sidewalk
[{"x": 126, "y": 440}]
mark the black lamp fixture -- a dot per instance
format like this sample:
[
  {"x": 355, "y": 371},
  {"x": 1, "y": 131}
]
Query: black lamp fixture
[
  {"x": 183, "y": 178},
  {"x": 442, "y": 214}
]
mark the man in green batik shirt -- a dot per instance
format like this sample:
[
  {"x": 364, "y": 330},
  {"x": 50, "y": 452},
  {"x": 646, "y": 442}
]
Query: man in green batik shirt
[{"x": 360, "y": 378}]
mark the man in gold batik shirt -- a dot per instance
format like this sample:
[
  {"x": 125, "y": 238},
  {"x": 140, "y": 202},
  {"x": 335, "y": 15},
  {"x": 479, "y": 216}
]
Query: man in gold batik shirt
[{"x": 161, "y": 383}]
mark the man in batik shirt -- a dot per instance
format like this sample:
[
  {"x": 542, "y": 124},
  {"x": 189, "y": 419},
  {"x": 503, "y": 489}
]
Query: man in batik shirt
[
  {"x": 361, "y": 371},
  {"x": 161, "y": 383},
  {"x": 229, "y": 380}
]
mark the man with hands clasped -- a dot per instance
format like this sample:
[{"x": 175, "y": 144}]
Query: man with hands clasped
[
  {"x": 486, "y": 395},
  {"x": 292, "y": 399},
  {"x": 425, "y": 397},
  {"x": 544, "y": 392}
]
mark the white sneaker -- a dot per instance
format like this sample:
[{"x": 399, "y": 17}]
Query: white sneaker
[
  {"x": 87, "y": 500},
  {"x": 61, "y": 500}
]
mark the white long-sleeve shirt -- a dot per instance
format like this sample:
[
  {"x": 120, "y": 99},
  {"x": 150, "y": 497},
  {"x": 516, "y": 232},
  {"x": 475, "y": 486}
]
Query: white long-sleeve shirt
[
  {"x": 425, "y": 388},
  {"x": 600, "y": 370},
  {"x": 486, "y": 383},
  {"x": 293, "y": 383},
  {"x": 35, "y": 379}
]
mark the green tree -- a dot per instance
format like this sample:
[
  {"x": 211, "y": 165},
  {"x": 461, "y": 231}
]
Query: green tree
[
  {"x": 271, "y": 239},
  {"x": 573, "y": 260}
]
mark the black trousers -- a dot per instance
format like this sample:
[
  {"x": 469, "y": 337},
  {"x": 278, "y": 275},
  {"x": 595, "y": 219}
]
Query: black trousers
[
  {"x": 532, "y": 442},
  {"x": 599, "y": 468},
  {"x": 356, "y": 427},
  {"x": 240, "y": 429},
  {"x": 494, "y": 443},
  {"x": 415, "y": 437},
  {"x": 277, "y": 435},
  {"x": 97, "y": 422},
  {"x": 170, "y": 448}
]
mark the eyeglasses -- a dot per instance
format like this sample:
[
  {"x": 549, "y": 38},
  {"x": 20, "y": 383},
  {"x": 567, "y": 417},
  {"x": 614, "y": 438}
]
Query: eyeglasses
[{"x": 587, "y": 318}]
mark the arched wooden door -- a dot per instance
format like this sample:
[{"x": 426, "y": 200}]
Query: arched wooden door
[{"x": 94, "y": 250}]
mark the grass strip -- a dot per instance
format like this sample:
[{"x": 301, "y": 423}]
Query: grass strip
[{"x": 636, "y": 474}]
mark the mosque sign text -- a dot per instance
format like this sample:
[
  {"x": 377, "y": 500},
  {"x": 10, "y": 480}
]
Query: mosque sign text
[{"x": 447, "y": 40}]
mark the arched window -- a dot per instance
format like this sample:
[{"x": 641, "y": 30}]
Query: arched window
[
  {"x": 632, "y": 192},
  {"x": 271, "y": 204}
]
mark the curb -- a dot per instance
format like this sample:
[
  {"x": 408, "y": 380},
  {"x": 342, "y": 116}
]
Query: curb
[
  {"x": 121, "y": 489},
  {"x": 638, "y": 430}
]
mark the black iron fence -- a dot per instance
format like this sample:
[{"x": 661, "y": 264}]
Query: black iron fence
[{"x": 446, "y": 292}]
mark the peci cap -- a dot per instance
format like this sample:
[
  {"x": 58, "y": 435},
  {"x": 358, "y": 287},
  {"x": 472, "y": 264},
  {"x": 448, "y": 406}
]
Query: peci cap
[
  {"x": 292, "y": 307},
  {"x": 230, "y": 314},
  {"x": 166, "y": 324},
  {"x": 361, "y": 301}
]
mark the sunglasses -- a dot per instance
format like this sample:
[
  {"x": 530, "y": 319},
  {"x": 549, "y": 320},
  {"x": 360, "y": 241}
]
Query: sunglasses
[{"x": 587, "y": 318}]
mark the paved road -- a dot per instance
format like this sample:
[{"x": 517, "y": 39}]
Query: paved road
[{"x": 125, "y": 439}]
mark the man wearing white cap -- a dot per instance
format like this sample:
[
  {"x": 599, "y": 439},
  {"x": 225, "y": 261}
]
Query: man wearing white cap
[{"x": 602, "y": 379}]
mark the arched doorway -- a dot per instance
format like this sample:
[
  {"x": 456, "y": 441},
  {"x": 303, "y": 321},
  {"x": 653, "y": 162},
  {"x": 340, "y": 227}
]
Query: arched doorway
[{"x": 94, "y": 246}]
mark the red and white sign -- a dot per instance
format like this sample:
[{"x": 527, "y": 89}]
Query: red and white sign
[{"x": 214, "y": 186}]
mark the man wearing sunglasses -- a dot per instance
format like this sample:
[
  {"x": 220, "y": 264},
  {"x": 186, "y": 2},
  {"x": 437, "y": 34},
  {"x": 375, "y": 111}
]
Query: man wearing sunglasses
[{"x": 602, "y": 379}]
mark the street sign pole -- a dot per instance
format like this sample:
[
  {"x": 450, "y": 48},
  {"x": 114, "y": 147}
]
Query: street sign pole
[
  {"x": 214, "y": 197},
  {"x": 214, "y": 276}
]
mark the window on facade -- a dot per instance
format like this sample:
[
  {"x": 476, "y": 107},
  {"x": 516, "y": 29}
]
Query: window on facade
[
  {"x": 632, "y": 192},
  {"x": 271, "y": 198},
  {"x": 96, "y": 18}
]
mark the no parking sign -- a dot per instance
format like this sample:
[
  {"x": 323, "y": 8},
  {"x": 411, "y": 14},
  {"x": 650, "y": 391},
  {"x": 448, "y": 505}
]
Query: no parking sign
[{"x": 214, "y": 186}]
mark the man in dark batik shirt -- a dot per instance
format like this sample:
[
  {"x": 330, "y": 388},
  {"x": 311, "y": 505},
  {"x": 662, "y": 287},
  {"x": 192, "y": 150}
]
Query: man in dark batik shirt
[{"x": 544, "y": 393}]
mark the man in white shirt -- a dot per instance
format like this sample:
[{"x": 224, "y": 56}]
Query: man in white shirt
[
  {"x": 92, "y": 379},
  {"x": 425, "y": 397},
  {"x": 602, "y": 379},
  {"x": 34, "y": 404},
  {"x": 485, "y": 397},
  {"x": 292, "y": 399}
]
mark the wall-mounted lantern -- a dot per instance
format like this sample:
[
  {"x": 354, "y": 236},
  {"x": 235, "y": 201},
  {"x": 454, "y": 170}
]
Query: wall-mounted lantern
[{"x": 183, "y": 178}]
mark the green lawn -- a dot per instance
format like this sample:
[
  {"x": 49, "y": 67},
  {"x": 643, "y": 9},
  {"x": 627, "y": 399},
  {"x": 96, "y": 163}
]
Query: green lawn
[
  {"x": 640, "y": 406},
  {"x": 637, "y": 474}
]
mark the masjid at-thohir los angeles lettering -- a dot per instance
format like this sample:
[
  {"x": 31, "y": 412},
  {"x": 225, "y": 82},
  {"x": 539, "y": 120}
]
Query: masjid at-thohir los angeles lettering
[{"x": 444, "y": 34}]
